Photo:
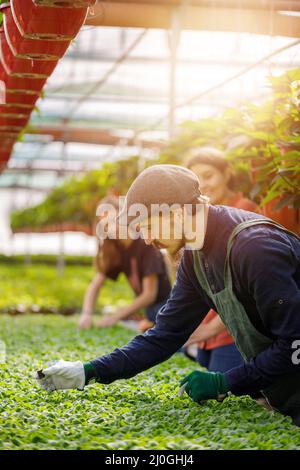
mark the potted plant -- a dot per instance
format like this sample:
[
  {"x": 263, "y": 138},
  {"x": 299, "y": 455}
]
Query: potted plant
[
  {"x": 21, "y": 67},
  {"x": 7, "y": 141},
  {"x": 4, "y": 156},
  {"x": 13, "y": 123},
  {"x": 19, "y": 98},
  {"x": 14, "y": 112},
  {"x": 39, "y": 22},
  {"x": 18, "y": 91},
  {"x": 8, "y": 128},
  {"x": 29, "y": 85},
  {"x": 31, "y": 49}
]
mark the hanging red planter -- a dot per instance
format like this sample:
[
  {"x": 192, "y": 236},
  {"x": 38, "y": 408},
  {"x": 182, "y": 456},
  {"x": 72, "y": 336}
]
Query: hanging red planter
[
  {"x": 23, "y": 48},
  {"x": 4, "y": 157},
  {"x": 2, "y": 90},
  {"x": 21, "y": 67},
  {"x": 20, "y": 99},
  {"x": 7, "y": 138},
  {"x": 14, "y": 112},
  {"x": 7, "y": 142},
  {"x": 12, "y": 129},
  {"x": 16, "y": 92},
  {"x": 53, "y": 24},
  {"x": 10, "y": 122},
  {"x": 29, "y": 85},
  {"x": 65, "y": 3}
]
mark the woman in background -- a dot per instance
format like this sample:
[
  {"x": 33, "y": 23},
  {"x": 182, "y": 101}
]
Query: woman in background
[
  {"x": 144, "y": 268},
  {"x": 216, "y": 349}
]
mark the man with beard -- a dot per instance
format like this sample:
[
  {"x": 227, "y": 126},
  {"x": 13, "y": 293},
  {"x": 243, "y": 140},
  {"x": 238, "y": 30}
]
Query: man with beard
[{"x": 244, "y": 266}]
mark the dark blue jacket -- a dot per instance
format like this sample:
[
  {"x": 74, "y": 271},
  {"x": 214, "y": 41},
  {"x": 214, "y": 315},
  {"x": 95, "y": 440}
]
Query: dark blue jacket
[{"x": 265, "y": 264}]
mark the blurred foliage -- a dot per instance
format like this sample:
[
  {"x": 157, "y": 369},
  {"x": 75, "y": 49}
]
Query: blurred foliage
[
  {"x": 143, "y": 412},
  {"x": 76, "y": 199},
  {"x": 69, "y": 260},
  {"x": 262, "y": 142},
  {"x": 39, "y": 289}
]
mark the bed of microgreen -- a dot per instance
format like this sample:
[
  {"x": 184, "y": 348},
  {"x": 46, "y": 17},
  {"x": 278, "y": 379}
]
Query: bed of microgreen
[
  {"x": 39, "y": 288},
  {"x": 141, "y": 413}
]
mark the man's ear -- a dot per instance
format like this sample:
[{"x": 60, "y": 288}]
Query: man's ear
[
  {"x": 194, "y": 227},
  {"x": 179, "y": 215},
  {"x": 178, "y": 218}
]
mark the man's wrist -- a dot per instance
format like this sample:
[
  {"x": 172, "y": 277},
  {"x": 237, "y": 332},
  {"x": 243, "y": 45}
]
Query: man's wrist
[
  {"x": 90, "y": 373},
  {"x": 223, "y": 387}
]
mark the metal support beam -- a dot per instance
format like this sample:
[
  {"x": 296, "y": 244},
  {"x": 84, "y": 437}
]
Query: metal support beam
[
  {"x": 255, "y": 4},
  {"x": 159, "y": 15},
  {"x": 89, "y": 136},
  {"x": 174, "y": 40}
]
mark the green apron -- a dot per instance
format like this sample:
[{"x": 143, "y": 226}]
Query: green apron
[{"x": 284, "y": 396}]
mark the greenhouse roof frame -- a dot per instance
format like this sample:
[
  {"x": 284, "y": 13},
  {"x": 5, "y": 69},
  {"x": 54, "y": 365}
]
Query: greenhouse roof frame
[
  {"x": 235, "y": 16},
  {"x": 91, "y": 136},
  {"x": 251, "y": 16}
]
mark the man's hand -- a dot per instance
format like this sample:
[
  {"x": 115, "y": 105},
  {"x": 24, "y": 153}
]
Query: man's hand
[
  {"x": 85, "y": 321},
  {"x": 205, "y": 385},
  {"x": 63, "y": 375}
]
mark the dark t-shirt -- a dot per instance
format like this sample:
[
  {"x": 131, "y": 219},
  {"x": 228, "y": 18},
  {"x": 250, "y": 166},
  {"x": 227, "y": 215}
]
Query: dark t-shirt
[{"x": 140, "y": 260}]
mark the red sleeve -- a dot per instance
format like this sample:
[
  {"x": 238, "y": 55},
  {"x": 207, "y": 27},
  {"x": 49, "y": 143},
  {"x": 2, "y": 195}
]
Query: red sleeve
[{"x": 247, "y": 205}]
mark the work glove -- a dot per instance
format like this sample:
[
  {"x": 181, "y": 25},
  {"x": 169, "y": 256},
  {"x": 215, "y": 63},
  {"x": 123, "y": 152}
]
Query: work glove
[
  {"x": 205, "y": 386},
  {"x": 62, "y": 375}
]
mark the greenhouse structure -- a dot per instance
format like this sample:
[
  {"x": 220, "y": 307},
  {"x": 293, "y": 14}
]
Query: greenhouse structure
[{"x": 107, "y": 104}]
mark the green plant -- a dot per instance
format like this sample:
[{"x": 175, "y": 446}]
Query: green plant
[
  {"x": 76, "y": 199},
  {"x": 1, "y": 15},
  {"x": 38, "y": 288},
  {"x": 144, "y": 412},
  {"x": 259, "y": 139},
  {"x": 46, "y": 259}
]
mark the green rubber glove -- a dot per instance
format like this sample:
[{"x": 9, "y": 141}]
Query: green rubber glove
[
  {"x": 205, "y": 385},
  {"x": 89, "y": 373}
]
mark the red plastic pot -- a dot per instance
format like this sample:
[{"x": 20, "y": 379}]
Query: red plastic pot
[
  {"x": 23, "y": 48},
  {"x": 29, "y": 85},
  {"x": 65, "y": 3},
  {"x": 7, "y": 142},
  {"x": 20, "y": 99},
  {"x": 15, "y": 92},
  {"x": 53, "y": 24},
  {"x": 6, "y": 148},
  {"x": 21, "y": 67},
  {"x": 13, "y": 123},
  {"x": 4, "y": 156},
  {"x": 14, "y": 112},
  {"x": 2, "y": 91},
  {"x": 7, "y": 138},
  {"x": 12, "y": 129}
]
